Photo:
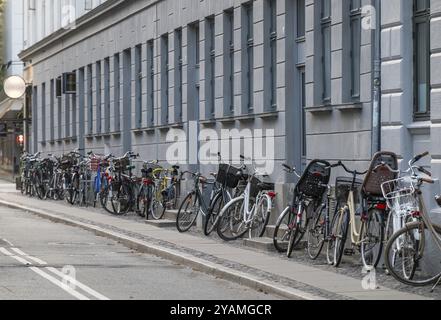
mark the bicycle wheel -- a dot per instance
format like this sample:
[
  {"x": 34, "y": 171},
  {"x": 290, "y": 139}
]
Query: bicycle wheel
[
  {"x": 188, "y": 212},
  {"x": 144, "y": 203},
  {"x": 298, "y": 231},
  {"x": 316, "y": 233},
  {"x": 159, "y": 205},
  {"x": 372, "y": 236},
  {"x": 340, "y": 232},
  {"x": 212, "y": 217},
  {"x": 231, "y": 225},
  {"x": 412, "y": 255},
  {"x": 121, "y": 201},
  {"x": 281, "y": 231},
  {"x": 261, "y": 217}
]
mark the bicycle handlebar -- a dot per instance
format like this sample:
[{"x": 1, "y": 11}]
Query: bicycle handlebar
[
  {"x": 419, "y": 157},
  {"x": 353, "y": 172}
]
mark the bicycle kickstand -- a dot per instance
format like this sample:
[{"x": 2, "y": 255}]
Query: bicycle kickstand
[{"x": 436, "y": 284}]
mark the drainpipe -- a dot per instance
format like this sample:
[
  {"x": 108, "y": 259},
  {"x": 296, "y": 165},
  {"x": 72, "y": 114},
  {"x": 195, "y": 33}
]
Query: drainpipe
[{"x": 376, "y": 85}]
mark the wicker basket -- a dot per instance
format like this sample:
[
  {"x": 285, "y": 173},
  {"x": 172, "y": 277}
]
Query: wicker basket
[
  {"x": 314, "y": 180},
  {"x": 228, "y": 176}
]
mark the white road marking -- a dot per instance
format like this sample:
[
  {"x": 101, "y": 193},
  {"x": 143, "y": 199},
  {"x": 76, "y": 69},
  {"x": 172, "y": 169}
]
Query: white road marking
[
  {"x": 8, "y": 242},
  {"x": 34, "y": 259},
  {"x": 45, "y": 275},
  {"x": 78, "y": 284},
  {"x": 55, "y": 281}
]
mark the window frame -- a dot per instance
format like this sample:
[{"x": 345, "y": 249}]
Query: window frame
[{"x": 421, "y": 17}]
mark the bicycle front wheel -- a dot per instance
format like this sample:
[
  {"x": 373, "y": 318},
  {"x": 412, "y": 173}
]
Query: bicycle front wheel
[
  {"x": 231, "y": 225},
  {"x": 372, "y": 239},
  {"x": 412, "y": 255},
  {"x": 261, "y": 217},
  {"x": 340, "y": 233},
  {"x": 212, "y": 217},
  {"x": 282, "y": 230},
  {"x": 188, "y": 213},
  {"x": 316, "y": 233}
]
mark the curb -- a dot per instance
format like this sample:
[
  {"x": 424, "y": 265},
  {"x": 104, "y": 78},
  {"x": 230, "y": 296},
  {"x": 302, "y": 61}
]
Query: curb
[{"x": 188, "y": 260}]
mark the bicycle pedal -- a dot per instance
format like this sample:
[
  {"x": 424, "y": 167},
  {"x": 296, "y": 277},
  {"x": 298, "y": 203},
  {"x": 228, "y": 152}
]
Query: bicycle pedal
[{"x": 349, "y": 252}]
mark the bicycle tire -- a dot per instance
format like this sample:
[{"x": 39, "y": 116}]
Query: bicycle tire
[
  {"x": 371, "y": 251},
  {"x": 298, "y": 232},
  {"x": 230, "y": 217},
  {"x": 278, "y": 243},
  {"x": 121, "y": 202},
  {"x": 212, "y": 217},
  {"x": 341, "y": 235},
  {"x": 317, "y": 231},
  {"x": 180, "y": 221},
  {"x": 410, "y": 228},
  {"x": 260, "y": 223}
]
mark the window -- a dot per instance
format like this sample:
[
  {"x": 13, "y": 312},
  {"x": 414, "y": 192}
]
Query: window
[
  {"x": 89, "y": 99},
  {"x": 193, "y": 71},
  {"x": 229, "y": 62},
  {"x": 52, "y": 110},
  {"x": 35, "y": 118},
  {"x": 178, "y": 75},
  {"x": 138, "y": 86},
  {"x": 74, "y": 110},
  {"x": 117, "y": 92},
  {"x": 98, "y": 97},
  {"x": 107, "y": 95},
  {"x": 303, "y": 105},
  {"x": 326, "y": 49},
  {"x": 355, "y": 14},
  {"x": 67, "y": 111},
  {"x": 164, "y": 80},
  {"x": 88, "y": 4},
  {"x": 150, "y": 83},
  {"x": 248, "y": 58},
  {"x": 81, "y": 108},
  {"x": 421, "y": 59},
  {"x": 301, "y": 19},
  {"x": 43, "y": 112},
  {"x": 270, "y": 55},
  {"x": 210, "y": 67},
  {"x": 60, "y": 117}
]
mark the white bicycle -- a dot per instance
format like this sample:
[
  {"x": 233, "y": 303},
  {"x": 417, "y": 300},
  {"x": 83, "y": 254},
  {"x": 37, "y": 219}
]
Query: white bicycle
[{"x": 248, "y": 213}]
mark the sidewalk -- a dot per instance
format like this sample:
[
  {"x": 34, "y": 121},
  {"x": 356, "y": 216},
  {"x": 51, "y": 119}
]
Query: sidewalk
[{"x": 255, "y": 269}]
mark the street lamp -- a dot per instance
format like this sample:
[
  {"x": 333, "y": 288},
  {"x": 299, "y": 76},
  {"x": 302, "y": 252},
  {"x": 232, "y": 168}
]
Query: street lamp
[{"x": 15, "y": 87}]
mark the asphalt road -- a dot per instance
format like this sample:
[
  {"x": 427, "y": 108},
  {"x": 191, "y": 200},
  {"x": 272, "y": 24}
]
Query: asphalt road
[{"x": 42, "y": 260}]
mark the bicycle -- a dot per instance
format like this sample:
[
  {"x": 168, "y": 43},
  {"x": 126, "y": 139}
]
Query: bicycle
[
  {"x": 195, "y": 203},
  {"x": 248, "y": 212},
  {"x": 145, "y": 201},
  {"x": 124, "y": 192},
  {"x": 405, "y": 253},
  {"x": 293, "y": 222},
  {"x": 366, "y": 235}
]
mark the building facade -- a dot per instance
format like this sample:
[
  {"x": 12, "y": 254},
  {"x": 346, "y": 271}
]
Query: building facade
[{"x": 303, "y": 68}]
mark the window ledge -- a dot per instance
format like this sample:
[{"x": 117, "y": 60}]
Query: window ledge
[
  {"x": 419, "y": 127},
  {"x": 246, "y": 117},
  {"x": 269, "y": 115},
  {"x": 301, "y": 39},
  {"x": 320, "y": 109},
  {"x": 227, "y": 119},
  {"x": 89, "y": 136},
  {"x": 349, "y": 106},
  {"x": 208, "y": 122}
]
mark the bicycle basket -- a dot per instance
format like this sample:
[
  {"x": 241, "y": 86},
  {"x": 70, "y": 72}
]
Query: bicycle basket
[
  {"x": 66, "y": 162},
  {"x": 400, "y": 196},
  {"x": 95, "y": 163},
  {"x": 343, "y": 187},
  {"x": 228, "y": 175},
  {"x": 122, "y": 163},
  {"x": 148, "y": 168},
  {"x": 374, "y": 179},
  {"x": 315, "y": 179}
]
